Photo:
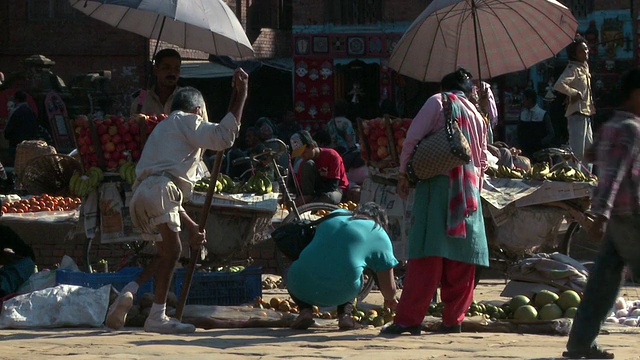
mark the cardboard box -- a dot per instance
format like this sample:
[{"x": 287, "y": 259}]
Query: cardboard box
[{"x": 551, "y": 191}]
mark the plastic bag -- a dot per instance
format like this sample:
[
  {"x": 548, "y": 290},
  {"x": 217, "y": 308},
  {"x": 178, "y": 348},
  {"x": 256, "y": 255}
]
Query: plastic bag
[{"x": 59, "y": 306}]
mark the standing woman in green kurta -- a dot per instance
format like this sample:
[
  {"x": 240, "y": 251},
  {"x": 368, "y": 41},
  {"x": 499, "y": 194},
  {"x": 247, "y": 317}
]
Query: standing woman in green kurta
[{"x": 447, "y": 237}]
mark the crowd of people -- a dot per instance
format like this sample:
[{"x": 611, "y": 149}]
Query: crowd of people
[{"x": 446, "y": 239}]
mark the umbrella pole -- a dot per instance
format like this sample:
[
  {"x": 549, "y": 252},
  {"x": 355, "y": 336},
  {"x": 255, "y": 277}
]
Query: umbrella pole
[
  {"x": 158, "y": 40},
  {"x": 475, "y": 32}
]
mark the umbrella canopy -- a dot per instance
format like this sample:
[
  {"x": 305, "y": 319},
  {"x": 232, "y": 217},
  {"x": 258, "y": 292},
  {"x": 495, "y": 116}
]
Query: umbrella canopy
[
  {"x": 487, "y": 37},
  {"x": 205, "y": 25}
]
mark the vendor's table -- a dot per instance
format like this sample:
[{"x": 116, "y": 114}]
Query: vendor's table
[{"x": 521, "y": 213}]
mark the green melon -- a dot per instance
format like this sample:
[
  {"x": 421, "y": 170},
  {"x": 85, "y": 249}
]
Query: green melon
[
  {"x": 545, "y": 297},
  {"x": 525, "y": 313},
  {"x": 568, "y": 299},
  {"x": 518, "y": 301},
  {"x": 550, "y": 312},
  {"x": 570, "y": 312}
]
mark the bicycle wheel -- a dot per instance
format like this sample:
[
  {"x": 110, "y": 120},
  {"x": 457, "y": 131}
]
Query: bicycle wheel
[
  {"x": 577, "y": 244},
  {"x": 308, "y": 212}
]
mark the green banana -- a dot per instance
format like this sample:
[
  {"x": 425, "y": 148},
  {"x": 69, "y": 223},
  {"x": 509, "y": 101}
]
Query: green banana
[{"x": 74, "y": 181}]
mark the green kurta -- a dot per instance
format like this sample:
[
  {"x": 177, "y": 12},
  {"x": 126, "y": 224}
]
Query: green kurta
[{"x": 427, "y": 235}]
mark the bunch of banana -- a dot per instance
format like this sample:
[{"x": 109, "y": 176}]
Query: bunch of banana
[
  {"x": 81, "y": 185},
  {"x": 202, "y": 185},
  {"x": 228, "y": 185},
  {"x": 569, "y": 174},
  {"x": 505, "y": 172},
  {"x": 128, "y": 172},
  {"x": 492, "y": 171},
  {"x": 259, "y": 183},
  {"x": 539, "y": 171}
]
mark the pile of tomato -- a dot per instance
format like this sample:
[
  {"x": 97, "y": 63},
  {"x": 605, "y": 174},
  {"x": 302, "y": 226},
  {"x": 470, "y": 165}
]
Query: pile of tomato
[{"x": 41, "y": 203}]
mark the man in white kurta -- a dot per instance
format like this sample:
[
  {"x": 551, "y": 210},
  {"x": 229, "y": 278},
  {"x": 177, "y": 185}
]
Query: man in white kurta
[{"x": 166, "y": 174}]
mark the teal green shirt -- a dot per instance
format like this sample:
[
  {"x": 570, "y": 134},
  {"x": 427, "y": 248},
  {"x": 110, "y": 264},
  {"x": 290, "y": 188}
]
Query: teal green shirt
[{"x": 329, "y": 270}]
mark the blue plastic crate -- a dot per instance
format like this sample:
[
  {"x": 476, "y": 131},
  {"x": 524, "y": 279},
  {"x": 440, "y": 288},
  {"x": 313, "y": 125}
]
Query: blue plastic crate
[
  {"x": 97, "y": 280},
  {"x": 221, "y": 288}
]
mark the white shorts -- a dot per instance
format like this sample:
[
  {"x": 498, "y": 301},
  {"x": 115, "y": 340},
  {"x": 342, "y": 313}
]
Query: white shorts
[{"x": 156, "y": 200}]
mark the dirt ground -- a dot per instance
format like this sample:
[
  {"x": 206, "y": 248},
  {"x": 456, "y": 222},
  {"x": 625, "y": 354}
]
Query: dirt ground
[{"x": 322, "y": 342}]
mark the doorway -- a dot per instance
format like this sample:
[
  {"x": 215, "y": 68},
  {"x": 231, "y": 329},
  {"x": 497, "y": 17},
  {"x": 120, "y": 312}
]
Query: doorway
[{"x": 358, "y": 83}]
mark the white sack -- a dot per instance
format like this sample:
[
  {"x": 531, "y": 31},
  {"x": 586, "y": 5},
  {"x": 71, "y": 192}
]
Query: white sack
[{"x": 59, "y": 306}]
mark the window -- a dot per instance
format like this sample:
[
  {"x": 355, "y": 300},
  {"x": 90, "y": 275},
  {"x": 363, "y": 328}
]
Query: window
[
  {"x": 50, "y": 10},
  {"x": 579, "y": 8},
  {"x": 357, "y": 12}
]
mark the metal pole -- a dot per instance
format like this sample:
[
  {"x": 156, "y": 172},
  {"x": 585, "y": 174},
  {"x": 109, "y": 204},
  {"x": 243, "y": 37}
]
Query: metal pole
[{"x": 475, "y": 32}]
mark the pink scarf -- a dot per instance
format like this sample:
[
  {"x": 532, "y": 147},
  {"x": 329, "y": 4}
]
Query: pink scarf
[{"x": 463, "y": 180}]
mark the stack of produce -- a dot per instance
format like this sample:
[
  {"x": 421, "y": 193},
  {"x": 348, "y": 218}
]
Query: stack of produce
[
  {"x": 625, "y": 312},
  {"x": 258, "y": 183},
  {"x": 542, "y": 171},
  {"x": 41, "y": 203},
  {"x": 81, "y": 185},
  {"x": 110, "y": 142},
  {"x": 376, "y": 316},
  {"x": 381, "y": 140},
  {"x": 546, "y": 305}
]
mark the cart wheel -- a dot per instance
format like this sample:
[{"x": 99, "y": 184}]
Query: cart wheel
[
  {"x": 578, "y": 245},
  {"x": 308, "y": 212}
]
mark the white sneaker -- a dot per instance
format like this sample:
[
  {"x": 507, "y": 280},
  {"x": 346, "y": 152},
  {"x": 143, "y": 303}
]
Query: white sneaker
[
  {"x": 117, "y": 313},
  {"x": 167, "y": 325}
]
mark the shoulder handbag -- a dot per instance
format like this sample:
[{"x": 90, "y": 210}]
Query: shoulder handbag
[
  {"x": 439, "y": 152},
  {"x": 293, "y": 237}
]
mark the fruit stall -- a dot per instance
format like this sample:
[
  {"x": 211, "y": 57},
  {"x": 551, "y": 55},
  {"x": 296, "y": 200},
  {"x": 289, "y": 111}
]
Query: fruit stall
[{"x": 544, "y": 200}]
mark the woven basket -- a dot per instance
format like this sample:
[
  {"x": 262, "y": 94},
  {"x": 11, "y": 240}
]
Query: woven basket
[
  {"x": 27, "y": 150},
  {"x": 50, "y": 174}
]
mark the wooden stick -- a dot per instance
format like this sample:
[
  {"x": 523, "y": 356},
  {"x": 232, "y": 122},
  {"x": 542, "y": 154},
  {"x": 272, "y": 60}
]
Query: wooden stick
[{"x": 191, "y": 268}]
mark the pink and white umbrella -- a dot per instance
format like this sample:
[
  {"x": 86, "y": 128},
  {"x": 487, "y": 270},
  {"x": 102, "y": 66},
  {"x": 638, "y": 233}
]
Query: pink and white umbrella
[{"x": 487, "y": 37}]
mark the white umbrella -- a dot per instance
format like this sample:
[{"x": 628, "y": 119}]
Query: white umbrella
[
  {"x": 205, "y": 25},
  {"x": 487, "y": 37}
]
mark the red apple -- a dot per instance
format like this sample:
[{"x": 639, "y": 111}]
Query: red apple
[
  {"x": 92, "y": 150},
  {"x": 406, "y": 123},
  {"x": 116, "y": 139},
  {"x": 396, "y": 124},
  {"x": 400, "y": 142},
  {"x": 116, "y": 155},
  {"x": 134, "y": 129},
  {"x": 120, "y": 147},
  {"x": 101, "y": 129},
  {"x": 131, "y": 145},
  {"x": 113, "y": 130},
  {"x": 84, "y": 149},
  {"x": 107, "y": 155},
  {"x": 82, "y": 121},
  {"x": 105, "y": 138},
  {"x": 382, "y": 141},
  {"x": 137, "y": 138},
  {"x": 107, "y": 122},
  {"x": 398, "y": 134},
  {"x": 382, "y": 152},
  {"x": 123, "y": 129},
  {"x": 135, "y": 154},
  {"x": 94, "y": 157},
  {"x": 366, "y": 131},
  {"x": 112, "y": 164},
  {"x": 127, "y": 138},
  {"x": 109, "y": 147},
  {"x": 117, "y": 120}
]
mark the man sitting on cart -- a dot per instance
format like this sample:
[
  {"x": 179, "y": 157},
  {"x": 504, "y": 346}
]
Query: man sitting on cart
[
  {"x": 165, "y": 177},
  {"x": 321, "y": 175}
]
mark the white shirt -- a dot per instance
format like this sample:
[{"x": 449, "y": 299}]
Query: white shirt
[
  {"x": 535, "y": 114},
  {"x": 175, "y": 147}
]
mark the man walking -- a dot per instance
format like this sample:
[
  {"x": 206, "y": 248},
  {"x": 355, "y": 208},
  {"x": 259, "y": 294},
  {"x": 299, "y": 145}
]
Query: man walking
[{"x": 616, "y": 204}]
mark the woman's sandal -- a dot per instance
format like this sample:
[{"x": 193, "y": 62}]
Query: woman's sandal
[
  {"x": 592, "y": 353},
  {"x": 397, "y": 329},
  {"x": 349, "y": 323},
  {"x": 303, "y": 324}
]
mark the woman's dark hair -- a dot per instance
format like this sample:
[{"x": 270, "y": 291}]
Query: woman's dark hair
[
  {"x": 530, "y": 94},
  {"x": 372, "y": 211},
  {"x": 458, "y": 80},
  {"x": 629, "y": 82},
  {"x": 571, "y": 48}
]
